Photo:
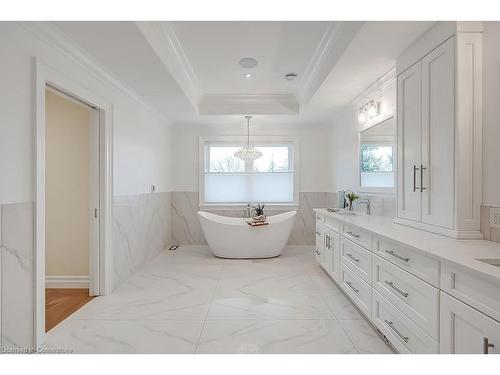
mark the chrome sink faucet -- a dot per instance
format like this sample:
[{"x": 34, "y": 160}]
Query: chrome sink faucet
[{"x": 368, "y": 205}]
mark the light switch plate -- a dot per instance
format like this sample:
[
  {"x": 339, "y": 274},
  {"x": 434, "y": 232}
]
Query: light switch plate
[{"x": 494, "y": 217}]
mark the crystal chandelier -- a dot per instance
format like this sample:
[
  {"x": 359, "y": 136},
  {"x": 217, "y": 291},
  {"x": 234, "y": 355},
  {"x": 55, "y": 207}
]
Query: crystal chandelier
[{"x": 246, "y": 153}]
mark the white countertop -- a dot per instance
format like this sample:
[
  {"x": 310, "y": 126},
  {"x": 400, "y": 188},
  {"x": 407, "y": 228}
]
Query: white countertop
[{"x": 462, "y": 252}]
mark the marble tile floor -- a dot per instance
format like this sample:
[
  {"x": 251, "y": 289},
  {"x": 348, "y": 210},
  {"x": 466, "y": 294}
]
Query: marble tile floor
[{"x": 188, "y": 301}]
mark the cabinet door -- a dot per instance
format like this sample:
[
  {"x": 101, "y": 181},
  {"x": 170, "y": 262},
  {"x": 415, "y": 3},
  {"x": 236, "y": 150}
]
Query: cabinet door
[
  {"x": 465, "y": 330},
  {"x": 332, "y": 253},
  {"x": 320, "y": 239},
  {"x": 409, "y": 142},
  {"x": 438, "y": 140}
]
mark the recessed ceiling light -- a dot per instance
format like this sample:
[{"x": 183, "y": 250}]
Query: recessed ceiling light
[
  {"x": 248, "y": 62},
  {"x": 290, "y": 76},
  {"x": 248, "y": 75}
]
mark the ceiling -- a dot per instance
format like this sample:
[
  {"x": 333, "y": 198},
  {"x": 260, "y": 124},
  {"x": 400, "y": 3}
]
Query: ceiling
[
  {"x": 214, "y": 49},
  {"x": 189, "y": 71}
]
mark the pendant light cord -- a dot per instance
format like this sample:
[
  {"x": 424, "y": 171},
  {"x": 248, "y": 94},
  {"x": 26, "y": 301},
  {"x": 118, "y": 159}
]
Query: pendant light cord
[{"x": 248, "y": 130}]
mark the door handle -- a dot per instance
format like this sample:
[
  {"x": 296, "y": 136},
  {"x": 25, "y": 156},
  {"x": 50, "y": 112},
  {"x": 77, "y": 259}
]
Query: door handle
[{"x": 391, "y": 326}]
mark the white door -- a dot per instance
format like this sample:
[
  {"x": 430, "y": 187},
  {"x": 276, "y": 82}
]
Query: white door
[
  {"x": 409, "y": 142},
  {"x": 465, "y": 330},
  {"x": 318, "y": 250},
  {"x": 335, "y": 247},
  {"x": 438, "y": 142},
  {"x": 94, "y": 209}
]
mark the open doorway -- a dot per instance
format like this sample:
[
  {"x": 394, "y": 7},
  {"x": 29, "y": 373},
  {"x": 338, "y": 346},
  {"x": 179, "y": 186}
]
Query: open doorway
[{"x": 71, "y": 204}]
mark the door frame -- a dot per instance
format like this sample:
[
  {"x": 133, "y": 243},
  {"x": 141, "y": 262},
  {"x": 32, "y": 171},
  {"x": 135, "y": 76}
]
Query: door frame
[{"x": 100, "y": 262}]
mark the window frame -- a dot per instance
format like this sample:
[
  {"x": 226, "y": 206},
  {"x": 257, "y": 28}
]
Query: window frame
[
  {"x": 240, "y": 141},
  {"x": 382, "y": 190}
]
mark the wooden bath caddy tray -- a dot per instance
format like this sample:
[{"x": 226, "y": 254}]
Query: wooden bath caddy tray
[{"x": 257, "y": 224}]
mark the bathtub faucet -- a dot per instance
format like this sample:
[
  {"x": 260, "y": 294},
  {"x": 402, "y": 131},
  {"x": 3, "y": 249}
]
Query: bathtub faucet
[{"x": 248, "y": 211}]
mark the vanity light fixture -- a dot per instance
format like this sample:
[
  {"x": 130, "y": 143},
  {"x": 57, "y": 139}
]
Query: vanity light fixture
[
  {"x": 369, "y": 111},
  {"x": 246, "y": 153}
]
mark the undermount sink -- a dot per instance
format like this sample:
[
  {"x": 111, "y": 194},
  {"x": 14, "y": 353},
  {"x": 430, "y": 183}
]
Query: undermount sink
[{"x": 493, "y": 261}]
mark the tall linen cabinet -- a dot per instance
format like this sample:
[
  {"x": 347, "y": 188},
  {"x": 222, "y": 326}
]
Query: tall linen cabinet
[{"x": 439, "y": 126}]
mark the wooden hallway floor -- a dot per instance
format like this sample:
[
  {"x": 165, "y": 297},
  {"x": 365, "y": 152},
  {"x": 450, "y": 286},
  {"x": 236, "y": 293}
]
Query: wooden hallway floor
[{"x": 61, "y": 303}]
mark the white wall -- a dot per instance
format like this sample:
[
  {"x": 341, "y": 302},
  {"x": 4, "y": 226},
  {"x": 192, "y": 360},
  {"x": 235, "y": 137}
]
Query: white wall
[
  {"x": 345, "y": 128},
  {"x": 313, "y": 150},
  {"x": 491, "y": 114},
  {"x": 141, "y": 135}
]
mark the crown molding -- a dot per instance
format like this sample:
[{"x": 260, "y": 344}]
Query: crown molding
[
  {"x": 379, "y": 85},
  {"x": 332, "y": 45},
  {"x": 162, "y": 38},
  {"x": 259, "y": 104},
  {"x": 54, "y": 38}
]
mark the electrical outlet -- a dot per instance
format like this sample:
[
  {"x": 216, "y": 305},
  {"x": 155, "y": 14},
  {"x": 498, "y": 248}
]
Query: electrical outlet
[{"x": 494, "y": 217}]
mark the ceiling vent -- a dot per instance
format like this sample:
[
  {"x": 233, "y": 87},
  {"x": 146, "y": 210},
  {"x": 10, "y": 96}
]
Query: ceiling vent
[{"x": 290, "y": 76}]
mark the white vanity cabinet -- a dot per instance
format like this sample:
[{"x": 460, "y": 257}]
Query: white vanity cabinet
[
  {"x": 465, "y": 330},
  {"x": 419, "y": 302},
  {"x": 320, "y": 242},
  {"x": 439, "y": 131},
  {"x": 327, "y": 249},
  {"x": 332, "y": 253}
]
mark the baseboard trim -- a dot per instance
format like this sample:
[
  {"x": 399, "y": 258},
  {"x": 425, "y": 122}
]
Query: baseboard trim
[{"x": 72, "y": 282}]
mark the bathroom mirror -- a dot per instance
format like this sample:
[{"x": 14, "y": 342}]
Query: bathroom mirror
[{"x": 377, "y": 158}]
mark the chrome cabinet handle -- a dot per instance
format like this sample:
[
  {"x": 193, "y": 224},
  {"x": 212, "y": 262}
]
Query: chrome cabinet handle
[
  {"x": 415, "y": 169},
  {"x": 391, "y": 326},
  {"x": 396, "y": 255},
  {"x": 391, "y": 284},
  {"x": 327, "y": 242},
  {"x": 318, "y": 233},
  {"x": 487, "y": 346},
  {"x": 317, "y": 252},
  {"x": 353, "y": 234},
  {"x": 422, "y": 178},
  {"x": 350, "y": 256},
  {"x": 349, "y": 284}
]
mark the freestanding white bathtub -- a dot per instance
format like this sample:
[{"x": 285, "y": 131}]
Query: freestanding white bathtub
[{"x": 230, "y": 237}]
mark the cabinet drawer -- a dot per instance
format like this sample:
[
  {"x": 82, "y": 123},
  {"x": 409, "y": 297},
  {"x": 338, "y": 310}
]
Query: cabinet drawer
[
  {"x": 357, "y": 259},
  {"x": 357, "y": 290},
  {"x": 333, "y": 224},
  {"x": 465, "y": 330},
  {"x": 477, "y": 291},
  {"x": 418, "y": 300},
  {"x": 403, "y": 333},
  {"x": 357, "y": 235},
  {"x": 405, "y": 257}
]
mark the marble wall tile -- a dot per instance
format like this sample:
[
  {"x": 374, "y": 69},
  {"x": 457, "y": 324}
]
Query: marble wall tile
[
  {"x": 17, "y": 248},
  {"x": 384, "y": 205},
  {"x": 141, "y": 230},
  {"x": 186, "y": 229}
]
